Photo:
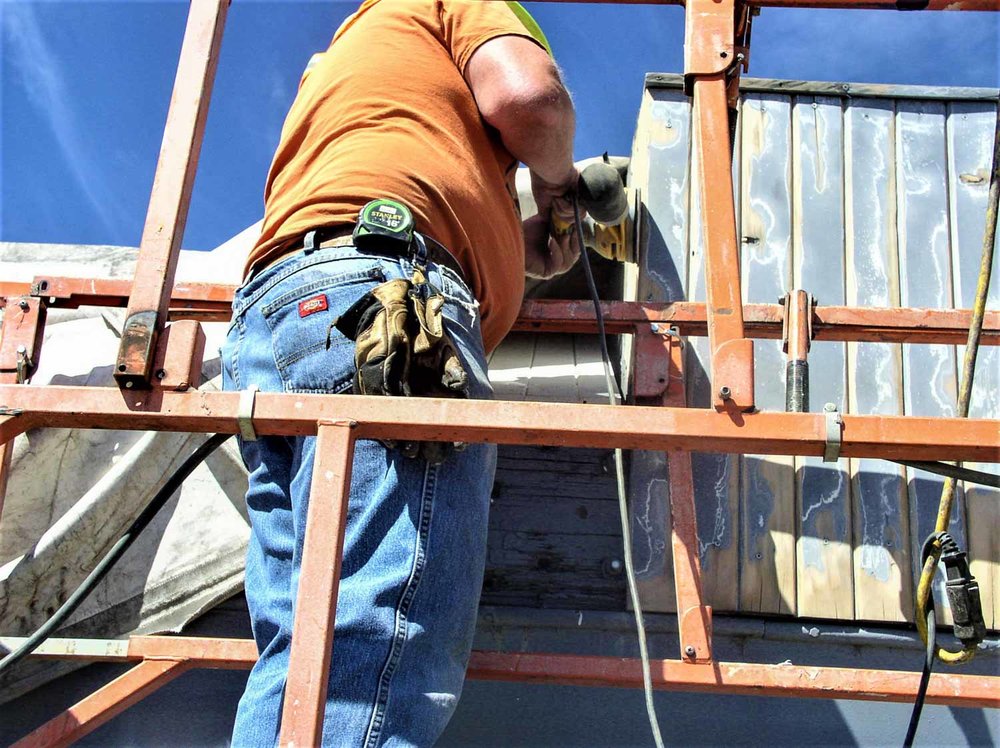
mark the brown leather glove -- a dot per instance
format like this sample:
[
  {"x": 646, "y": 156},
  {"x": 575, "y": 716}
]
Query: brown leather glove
[
  {"x": 402, "y": 348},
  {"x": 379, "y": 323},
  {"x": 435, "y": 369}
]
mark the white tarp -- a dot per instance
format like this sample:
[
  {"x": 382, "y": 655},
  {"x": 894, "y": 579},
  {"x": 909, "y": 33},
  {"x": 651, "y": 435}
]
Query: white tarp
[{"x": 72, "y": 492}]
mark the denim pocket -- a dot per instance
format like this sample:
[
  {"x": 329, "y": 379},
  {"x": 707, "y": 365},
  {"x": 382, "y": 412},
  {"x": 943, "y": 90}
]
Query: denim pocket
[{"x": 310, "y": 354}]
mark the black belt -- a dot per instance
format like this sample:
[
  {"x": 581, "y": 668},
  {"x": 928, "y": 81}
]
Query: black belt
[{"x": 342, "y": 236}]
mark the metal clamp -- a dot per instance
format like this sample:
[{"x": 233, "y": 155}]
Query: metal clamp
[
  {"x": 834, "y": 427},
  {"x": 244, "y": 415},
  {"x": 24, "y": 365},
  {"x": 667, "y": 331}
]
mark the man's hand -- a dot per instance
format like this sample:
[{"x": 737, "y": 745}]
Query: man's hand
[
  {"x": 550, "y": 195},
  {"x": 549, "y": 251}
]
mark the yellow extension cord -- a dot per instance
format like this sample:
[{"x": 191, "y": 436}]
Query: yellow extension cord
[{"x": 965, "y": 393}]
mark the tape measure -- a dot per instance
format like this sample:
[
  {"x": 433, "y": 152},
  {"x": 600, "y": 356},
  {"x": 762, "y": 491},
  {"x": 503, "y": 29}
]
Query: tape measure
[{"x": 384, "y": 219}]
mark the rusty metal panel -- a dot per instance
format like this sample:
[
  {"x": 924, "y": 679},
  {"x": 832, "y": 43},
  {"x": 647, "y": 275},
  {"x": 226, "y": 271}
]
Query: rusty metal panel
[
  {"x": 767, "y": 491},
  {"x": 824, "y": 571},
  {"x": 969, "y": 142}
]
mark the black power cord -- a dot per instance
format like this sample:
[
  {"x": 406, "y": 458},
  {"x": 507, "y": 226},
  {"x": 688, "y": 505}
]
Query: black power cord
[
  {"x": 114, "y": 553},
  {"x": 953, "y": 471},
  {"x": 925, "y": 677},
  {"x": 614, "y": 388},
  {"x": 966, "y": 608}
]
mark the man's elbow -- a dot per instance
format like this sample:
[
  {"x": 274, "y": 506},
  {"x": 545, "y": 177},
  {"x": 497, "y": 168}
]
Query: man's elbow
[{"x": 530, "y": 107}]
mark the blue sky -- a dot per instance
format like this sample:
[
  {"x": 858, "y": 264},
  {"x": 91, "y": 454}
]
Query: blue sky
[{"x": 84, "y": 88}]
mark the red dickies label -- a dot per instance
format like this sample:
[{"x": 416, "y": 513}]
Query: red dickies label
[{"x": 313, "y": 305}]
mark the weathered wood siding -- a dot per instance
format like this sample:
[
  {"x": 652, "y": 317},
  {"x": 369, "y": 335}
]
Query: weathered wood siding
[
  {"x": 866, "y": 197},
  {"x": 555, "y": 532}
]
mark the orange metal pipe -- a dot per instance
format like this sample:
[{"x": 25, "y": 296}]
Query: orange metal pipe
[
  {"x": 104, "y": 704},
  {"x": 20, "y": 339},
  {"x": 211, "y": 302},
  {"x": 593, "y": 670},
  {"x": 796, "y": 344},
  {"x": 171, "y": 194},
  {"x": 319, "y": 580},
  {"x": 732, "y": 371},
  {"x": 558, "y": 424},
  {"x": 694, "y": 618},
  {"x": 747, "y": 679}
]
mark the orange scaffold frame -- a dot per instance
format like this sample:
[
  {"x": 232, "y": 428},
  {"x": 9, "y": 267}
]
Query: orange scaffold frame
[{"x": 161, "y": 352}]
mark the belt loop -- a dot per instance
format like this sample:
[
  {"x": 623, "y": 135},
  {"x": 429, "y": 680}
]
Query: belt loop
[
  {"x": 309, "y": 243},
  {"x": 419, "y": 249}
]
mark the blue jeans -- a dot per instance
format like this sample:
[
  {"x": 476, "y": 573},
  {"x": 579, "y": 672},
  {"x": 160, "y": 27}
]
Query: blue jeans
[{"x": 415, "y": 544}]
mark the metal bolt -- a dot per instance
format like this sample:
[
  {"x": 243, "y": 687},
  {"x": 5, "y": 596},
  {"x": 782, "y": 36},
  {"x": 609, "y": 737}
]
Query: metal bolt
[
  {"x": 830, "y": 408},
  {"x": 689, "y": 651},
  {"x": 128, "y": 385},
  {"x": 725, "y": 393},
  {"x": 655, "y": 327},
  {"x": 616, "y": 564},
  {"x": 25, "y": 306},
  {"x": 21, "y": 349}
]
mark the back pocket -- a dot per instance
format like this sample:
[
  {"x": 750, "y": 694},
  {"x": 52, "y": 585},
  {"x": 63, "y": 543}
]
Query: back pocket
[{"x": 311, "y": 354}]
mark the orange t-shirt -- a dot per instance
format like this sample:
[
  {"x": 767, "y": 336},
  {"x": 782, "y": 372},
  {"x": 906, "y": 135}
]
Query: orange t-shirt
[{"x": 386, "y": 112}]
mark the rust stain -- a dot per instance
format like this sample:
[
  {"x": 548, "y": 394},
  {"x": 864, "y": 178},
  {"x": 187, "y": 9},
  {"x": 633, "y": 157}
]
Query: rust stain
[{"x": 977, "y": 177}]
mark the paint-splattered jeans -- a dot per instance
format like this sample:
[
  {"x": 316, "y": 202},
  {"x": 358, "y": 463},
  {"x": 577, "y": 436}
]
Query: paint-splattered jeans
[{"x": 415, "y": 541}]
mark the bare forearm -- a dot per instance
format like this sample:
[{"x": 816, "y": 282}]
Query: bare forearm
[
  {"x": 540, "y": 135},
  {"x": 520, "y": 93}
]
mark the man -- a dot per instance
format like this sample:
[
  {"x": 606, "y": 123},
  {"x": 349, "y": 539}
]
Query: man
[{"x": 429, "y": 105}]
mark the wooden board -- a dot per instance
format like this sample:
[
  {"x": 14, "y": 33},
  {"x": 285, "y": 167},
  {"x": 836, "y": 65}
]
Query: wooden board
[
  {"x": 767, "y": 493},
  {"x": 969, "y": 154},
  {"x": 649, "y": 514},
  {"x": 839, "y": 89},
  {"x": 882, "y": 583},
  {"x": 925, "y": 261},
  {"x": 549, "y": 367},
  {"x": 858, "y": 204},
  {"x": 824, "y": 569},
  {"x": 555, "y": 537},
  {"x": 663, "y": 149}
]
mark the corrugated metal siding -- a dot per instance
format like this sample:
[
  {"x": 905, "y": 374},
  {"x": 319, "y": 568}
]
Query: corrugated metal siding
[{"x": 860, "y": 195}]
